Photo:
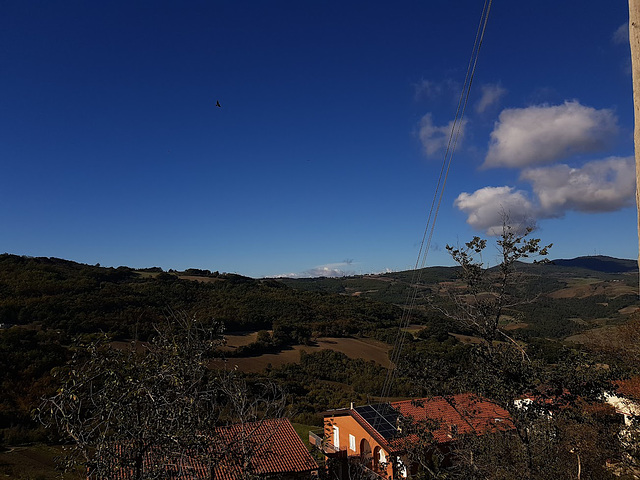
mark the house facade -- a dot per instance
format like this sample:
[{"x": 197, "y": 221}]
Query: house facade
[
  {"x": 376, "y": 436},
  {"x": 353, "y": 434}
]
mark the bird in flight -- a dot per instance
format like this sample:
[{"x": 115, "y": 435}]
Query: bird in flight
[{"x": 218, "y": 104}]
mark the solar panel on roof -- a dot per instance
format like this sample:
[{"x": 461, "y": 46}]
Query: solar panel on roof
[{"x": 382, "y": 417}]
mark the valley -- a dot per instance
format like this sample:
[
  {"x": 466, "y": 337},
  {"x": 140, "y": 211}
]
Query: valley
[{"x": 325, "y": 340}]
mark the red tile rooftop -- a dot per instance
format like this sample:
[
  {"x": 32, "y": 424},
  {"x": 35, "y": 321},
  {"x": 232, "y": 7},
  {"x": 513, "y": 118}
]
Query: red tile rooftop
[
  {"x": 280, "y": 450},
  {"x": 463, "y": 413},
  {"x": 629, "y": 388},
  {"x": 277, "y": 451},
  {"x": 449, "y": 416}
]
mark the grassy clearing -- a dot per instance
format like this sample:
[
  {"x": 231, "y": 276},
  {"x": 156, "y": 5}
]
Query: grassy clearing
[
  {"x": 36, "y": 462},
  {"x": 608, "y": 334},
  {"x": 629, "y": 310},
  {"x": 235, "y": 340},
  {"x": 467, "y": 339},
  {"x": 414, "y": 329},
  {"x": 586, "y": 287},
  {"x": 578, "y": 281},
  {"x": 303, "y": 431},
  {"x": 365, "y": 348}
]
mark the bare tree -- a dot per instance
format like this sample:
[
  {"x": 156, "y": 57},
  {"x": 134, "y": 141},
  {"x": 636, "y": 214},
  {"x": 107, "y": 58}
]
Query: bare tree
[
  {"x": 488, "y": 294},
  {"x": 248, "y": 433},
  {"x": 550, "y": 405},
  {"x": 152, "y": 406}
]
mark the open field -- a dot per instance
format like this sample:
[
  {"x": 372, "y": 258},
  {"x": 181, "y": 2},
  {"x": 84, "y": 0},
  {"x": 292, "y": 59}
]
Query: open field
[
  {"x": 629, "y": 310},
  {"x": 414, "y": 329},
  {"x": 581, "y": 288},
  {"x": 515, "y": 326},
  {"x": 467, "y": 339},
  {"x": 235, "y": 340},
  {"x": 35, "y": 462},
  {"x": 609, "y": 336},
  {"x": 580, "y": 281},
  {"x": 365, "y": 348}
]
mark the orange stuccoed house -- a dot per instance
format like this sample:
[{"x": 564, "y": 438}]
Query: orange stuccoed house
[{"x": 372, "y": 436}]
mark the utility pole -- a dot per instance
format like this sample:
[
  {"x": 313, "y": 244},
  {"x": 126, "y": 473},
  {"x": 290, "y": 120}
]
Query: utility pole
[{"x": 634, "y": 42}]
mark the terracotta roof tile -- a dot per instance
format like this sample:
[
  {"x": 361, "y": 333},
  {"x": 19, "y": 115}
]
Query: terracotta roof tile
[
  {"x": 629, "y": 388},
  {"x": 462, "y": 414},
  {"x": 466, "y": 413},
  {"x": 277, "y": 450}
]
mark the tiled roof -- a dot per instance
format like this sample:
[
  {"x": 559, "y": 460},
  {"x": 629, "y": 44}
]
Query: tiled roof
[
  {"x": 629, "y": 388},
  {"x": 462, "y": 414},
  {"x": 452, "y": 415},
  {"x": 276, "y": 450}
]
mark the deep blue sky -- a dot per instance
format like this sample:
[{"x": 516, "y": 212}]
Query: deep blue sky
[{"x": 324, "y": 155}]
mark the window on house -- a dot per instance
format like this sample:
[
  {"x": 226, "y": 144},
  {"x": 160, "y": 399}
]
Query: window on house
[
  {"x": 336, "y": 437},
  {"x": 352, "y": 443}
]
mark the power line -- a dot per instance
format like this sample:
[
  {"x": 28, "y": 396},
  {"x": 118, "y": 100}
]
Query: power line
[{"x": 425, "y": 245}]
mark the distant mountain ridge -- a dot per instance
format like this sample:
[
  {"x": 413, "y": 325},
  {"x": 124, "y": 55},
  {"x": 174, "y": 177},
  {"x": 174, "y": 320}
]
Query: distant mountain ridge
[{"x": 599, "y": 263}]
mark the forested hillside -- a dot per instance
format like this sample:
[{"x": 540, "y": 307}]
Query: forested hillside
[
  {"x": 45, "y": 303},
  {"x": 75, "y": 298},
  {"x": 565, "y": 296}
]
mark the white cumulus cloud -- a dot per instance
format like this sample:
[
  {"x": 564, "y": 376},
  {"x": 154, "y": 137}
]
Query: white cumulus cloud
[
  {"x": 435, "y": 138},
  {"x": 537, "y": 135},
  {"x": 486, "y": 208},
  {"x": 599, "y": 186},
  {"x": 338, "y": 269},
  {"x": 491, "y": 95},
  {"x": 285, "y": 275}
]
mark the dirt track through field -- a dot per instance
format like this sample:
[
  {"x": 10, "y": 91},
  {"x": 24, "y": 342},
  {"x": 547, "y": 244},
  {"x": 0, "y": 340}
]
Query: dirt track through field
[{"x": 365, "y": 348}]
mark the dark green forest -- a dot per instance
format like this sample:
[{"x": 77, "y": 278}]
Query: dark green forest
[{"x": 47, "y": 304}]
